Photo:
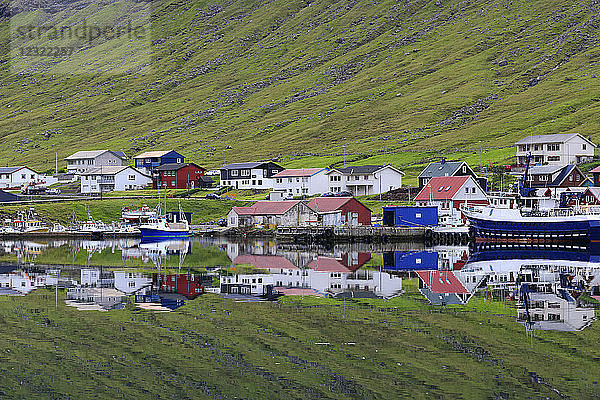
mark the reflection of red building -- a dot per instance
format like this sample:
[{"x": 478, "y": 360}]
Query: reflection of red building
[{"x": 189, "y": 285}]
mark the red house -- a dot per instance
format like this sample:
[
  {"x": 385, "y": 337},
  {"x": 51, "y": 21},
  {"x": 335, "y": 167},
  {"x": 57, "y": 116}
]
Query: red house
[
  {"x": 180, "y": 176},
  {"x": 351, "y": 211},
  {"x": 189, "y": 285}
]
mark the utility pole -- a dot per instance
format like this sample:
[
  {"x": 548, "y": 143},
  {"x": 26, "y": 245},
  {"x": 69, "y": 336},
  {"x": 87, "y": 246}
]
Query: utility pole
[{"x": 344, "y": 156}]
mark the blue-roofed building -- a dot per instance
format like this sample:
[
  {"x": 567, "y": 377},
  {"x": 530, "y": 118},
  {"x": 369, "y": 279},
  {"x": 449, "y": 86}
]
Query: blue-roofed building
[{"x": 149, "y": 161}]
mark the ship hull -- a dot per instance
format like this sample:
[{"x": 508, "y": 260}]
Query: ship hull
[
  {"x": 574, "y": 228},
  {"x": 151, "y": 233}
]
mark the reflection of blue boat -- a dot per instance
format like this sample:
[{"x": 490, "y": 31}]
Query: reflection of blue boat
[
  {"x": 532, "y": 253},
  {"x": 410, "y": 260}
]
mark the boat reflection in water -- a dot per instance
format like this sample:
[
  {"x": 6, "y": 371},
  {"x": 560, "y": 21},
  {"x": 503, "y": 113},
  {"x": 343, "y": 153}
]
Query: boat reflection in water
[
  {"x": 549, "y": 287},
  {"x": 548, "y": 284}
]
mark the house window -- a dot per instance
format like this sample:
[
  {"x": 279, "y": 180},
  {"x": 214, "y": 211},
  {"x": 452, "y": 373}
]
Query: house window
[
  {"x": 278, "y": 180},
  {"x": 234, "y": 172},
  {"x": 335, "y": 178},
  {"x": 245, "y": 172},
  {"x": 584, "y": 146},
  {"x": 23, "y": 176},
  {"x": 132, "y": 177},
  {"x": 464, "y": 169}
]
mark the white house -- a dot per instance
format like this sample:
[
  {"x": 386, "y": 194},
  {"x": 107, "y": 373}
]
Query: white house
[
  {"x": 108, "y": 179},
  {"x": 561, "y": 149},
  {"x": 365, "y": 179},
  {"x": 16, "y": 177},
  {"x": 448, "y": 193},
  {"x": 250, "y": 175},
  {"x": 299, "y": 182},
  {"x": 84, "y": 161}
]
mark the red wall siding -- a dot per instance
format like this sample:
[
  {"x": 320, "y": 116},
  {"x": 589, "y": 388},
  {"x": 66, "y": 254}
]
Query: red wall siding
[
  {"x": 180, "y": 180},
  {"x": 354, "y": 206}
]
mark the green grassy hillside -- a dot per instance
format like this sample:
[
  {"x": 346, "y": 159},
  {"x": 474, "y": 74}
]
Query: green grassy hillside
[{"x": 398, "y": 82}]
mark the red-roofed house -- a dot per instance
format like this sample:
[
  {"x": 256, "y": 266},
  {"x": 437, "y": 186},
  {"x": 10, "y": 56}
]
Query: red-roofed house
[
  {"x": 335, "y": 211},
  {"x": 299, "y": 182},
  {"x": 596, "y": 176},
  {"x": 443, "y": 287},
  {"x": 448, "y": 193},
  {"x": 272, "y": 213}
]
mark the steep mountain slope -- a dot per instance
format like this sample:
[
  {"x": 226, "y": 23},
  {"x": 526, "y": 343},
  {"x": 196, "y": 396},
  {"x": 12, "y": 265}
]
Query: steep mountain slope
[{"x": 304, "y": 81}]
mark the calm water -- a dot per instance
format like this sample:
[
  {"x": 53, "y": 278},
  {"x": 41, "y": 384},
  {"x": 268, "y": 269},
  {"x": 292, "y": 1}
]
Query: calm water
[{"x": 555, "y": 289}]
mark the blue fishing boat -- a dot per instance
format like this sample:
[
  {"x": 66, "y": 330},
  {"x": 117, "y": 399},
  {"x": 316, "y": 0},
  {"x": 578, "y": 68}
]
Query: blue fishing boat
[
  {"x": 522, "y": 217},
  {"x": 160, "y": 227}
]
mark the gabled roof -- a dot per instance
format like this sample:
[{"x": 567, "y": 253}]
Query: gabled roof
[
  {"x": 563, "y": 174},
  {"x": 442, "y": 168},
  {"x": 10, "y": 170},
  {"x": 111, "y": 170},
  {"x": 328, "y": 264},
  {"x": 363, "y": 169},
  {"x": 545, "y": 169},
  {"x": 303, "y": 172},
  {"x": 267, "y": 208},
  {"x": 442, "y": 282},
  {"x": 154, "y": 154},
  {"x": 596, "y": 170},
  {"x": 265, "y": 262},
  {"x": 329, "y": 204},
  {"x": 93, "y": 154},
  {"x": 442, "y": 188},
  {"x": 556, "y": 138},
  {"x": 247, "y": 165},
  {"x": 177, "y": 166},
  {"x": 594, "y": 191}
]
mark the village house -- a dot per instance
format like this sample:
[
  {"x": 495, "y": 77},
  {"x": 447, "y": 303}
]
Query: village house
[
  {"x": 555, "y": 176},
  {"x": 449, "y": 193},
  {"x": 365, "y": 179},
  {"x": 337, "y": 211},
  {"x": 448, "y": 168},
  {"x": 596, "y": 176},
  {"x": 188, "y": 285},
  {"x": 443, "y": 287},
  {"x": 108, "y": 179},
  {"x": 558, "y": 149},
  {"x": 83, "y": 161},
  {"x": 251, "y": 175},
  {"x": 272, "y": 213},
  {"x": 301, "y": 182},
  {"x": 180, "y": 176},
  {"x": 150, "y": 160},
  {"x": 17, "y": 177}
]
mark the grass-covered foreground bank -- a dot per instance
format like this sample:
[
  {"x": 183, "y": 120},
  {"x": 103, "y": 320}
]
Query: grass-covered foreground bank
[{"x": 298, "y": 348}]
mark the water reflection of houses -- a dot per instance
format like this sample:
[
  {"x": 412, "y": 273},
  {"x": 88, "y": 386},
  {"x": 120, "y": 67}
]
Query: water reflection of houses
[
  {"x": 446, "y": 287},
  {"x": 552, "y": 311},
  {"x": 322, "y": 275},
  {"x": 188, "y": 285},
  {"x": 105, "y": 290}
]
